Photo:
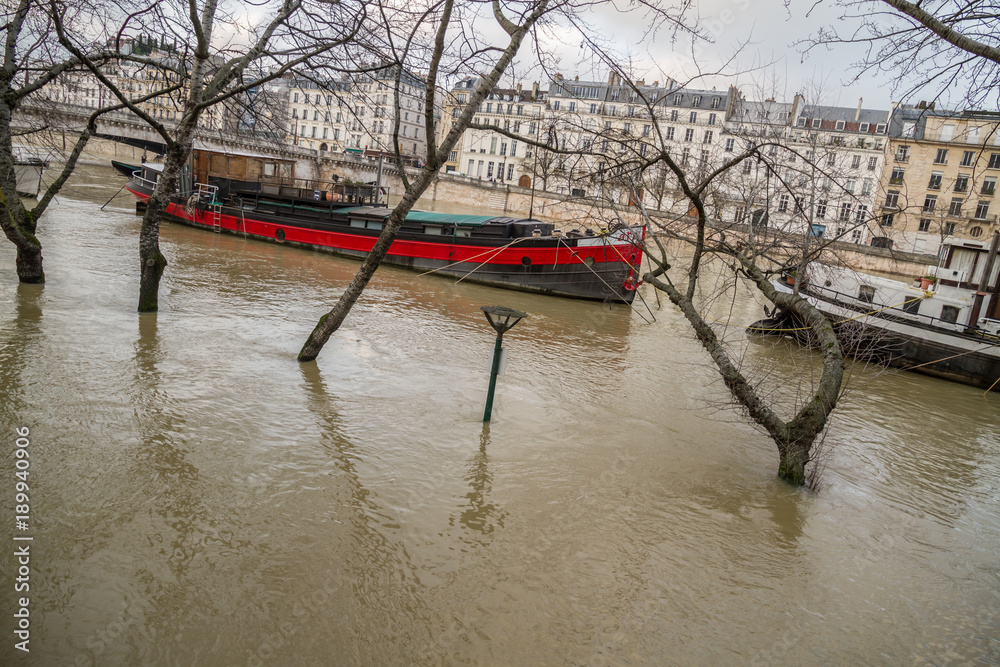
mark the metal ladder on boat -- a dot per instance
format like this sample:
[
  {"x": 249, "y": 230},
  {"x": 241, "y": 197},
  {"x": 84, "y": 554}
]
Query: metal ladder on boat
[{"x": 207, "y": 194}]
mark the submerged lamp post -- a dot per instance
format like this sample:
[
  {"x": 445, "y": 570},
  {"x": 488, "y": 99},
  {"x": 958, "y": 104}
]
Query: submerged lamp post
[{"x": 502, "y": 319}]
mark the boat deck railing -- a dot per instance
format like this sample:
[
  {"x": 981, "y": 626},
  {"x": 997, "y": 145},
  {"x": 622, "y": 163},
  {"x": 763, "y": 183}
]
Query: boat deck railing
[
  {"x": 317, "y": 190},
  {"x": 897, "y": 313}
]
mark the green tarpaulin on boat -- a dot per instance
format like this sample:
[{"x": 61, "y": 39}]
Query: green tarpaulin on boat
[{"x": 448, "y": 218}]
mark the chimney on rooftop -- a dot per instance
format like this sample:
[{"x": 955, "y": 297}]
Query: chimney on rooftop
[
  {"x": 558, "y": 77},
  {"x": 613, "y": 78},
  {"x": 857, "y": 114},
  {"x": 518, "y": 88},
  {"x": 534, "y": 91}
]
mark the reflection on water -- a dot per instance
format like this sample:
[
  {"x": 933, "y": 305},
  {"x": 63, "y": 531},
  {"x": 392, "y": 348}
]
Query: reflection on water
[{"x": 201, "y": 498}]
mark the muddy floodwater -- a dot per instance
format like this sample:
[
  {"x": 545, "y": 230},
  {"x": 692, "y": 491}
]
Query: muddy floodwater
[{"x": 197, "y": 497}]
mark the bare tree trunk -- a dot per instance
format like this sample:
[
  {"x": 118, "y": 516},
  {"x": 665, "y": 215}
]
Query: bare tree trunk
[
  {"x": 152, "y": 261},
  {"x": 333, "y": 319}
]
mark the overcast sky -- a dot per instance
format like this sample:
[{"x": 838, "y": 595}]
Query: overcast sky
[{"x": 762, "y": 35}]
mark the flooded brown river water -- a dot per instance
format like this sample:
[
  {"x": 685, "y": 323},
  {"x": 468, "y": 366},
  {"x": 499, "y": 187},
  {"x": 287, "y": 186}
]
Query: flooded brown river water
[{"x": 200, "y": 498}]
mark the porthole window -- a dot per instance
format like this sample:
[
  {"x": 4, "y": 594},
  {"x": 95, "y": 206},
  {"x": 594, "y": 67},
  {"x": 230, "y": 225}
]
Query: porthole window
[
  {"x": 589, "y": 261},
  {"x": 976, "y": 232},
  {"x": 526, "y": 261},
  {"x": 280, "y": 235}
]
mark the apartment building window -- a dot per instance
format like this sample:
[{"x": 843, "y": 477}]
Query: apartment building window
[
  {"x": 892, "y": 199},
  {"x": 645, "y": 130},
  {"x": 821, "y": 209},
  {"x": 730, "y": 145},
  {"x": 716, "y": 101},
  {"x": 947, "y": 132},
  {"x": 967, "y": 158},
  {"x": 976, "y": 232},
  {"x": 295, "y": 98},
  {"x": 864, "y": 127},
  {"x": 886, "y": 219},
  {"x": 930, "y": 203},
  {"x": 295, "y": 113},
  {"x": 956, "y": 207},
  {"x": 924, "y": 225},
  {"x": 704, "y": 157},
  {"x": 994, "y": 161},
  {"x": 897, "y": 175},
  {"x": 593, "y": 108},
  {"x": 517, "y": 126},
  {"x": 642, "y": 149},
  {"x": 961, "y": 183},
  {"x": 685, "y": 156},
  {"x": 670, "y": 133},
  {"x": 520, "y": 109},
  {"x": 866, "y": 186},
  {"x": 989, "y": 185},
  {"x": 604, "y": 146},
  {"x": 489, "y": 170},
  {"x": 831, "y": 160},
  {"x": 949, "y": 229},
  {"x": 880, "y": 128},
  {"x": 935, "y": 182},
  {"x": 792, "y": 157},
  {"x": 982, "y": 210},
  {"x": 802, "y": 121},
  {"x": 855, "y": 161},
  {"x": 673, "y": 115},
  {"x": 840, "y": 125},
  {"x": 902, "y": 154},
  {"x": 817, "y": 123},
  {"x": 862, "y": 213},
  {"x": 872, "y": 163},
  {"x": 472, "y": 166},
  {"x": 531, "y": 128},
  {"x": 783, "y": 203},
  {"x": 555, "y": 106},
  {"x": 708, "y": 137},
  {"x": 845, "y": 211},
  {"x": 453, "y": 156},
  {"x": 627, "y": 128},
  {"x": 693, "y": 117},
  {"x": 513, "y": 149},
  {"x": 493, "y": 146},
  {"x": 711, "y": 119},
  {"x": 689, "y": 135},
  {"x": 696, "y": 101},
  {"x": 325, "y": 131},
  {"x": 503, "y": 148},
  {"x": 849, "y": 186},
  {"x": 572, "y": 107},
  {"x": 677, "y": 99},
  {"x": 510, "y": 172},
  {"x": 942, "y": 156}
]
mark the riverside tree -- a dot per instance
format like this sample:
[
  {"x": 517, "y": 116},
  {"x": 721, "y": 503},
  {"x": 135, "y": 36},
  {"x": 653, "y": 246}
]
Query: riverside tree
[
  {"x": 435, "y": 38},
  {"x": 226, "y": 53},
  {"x": 33, "y": 60}
]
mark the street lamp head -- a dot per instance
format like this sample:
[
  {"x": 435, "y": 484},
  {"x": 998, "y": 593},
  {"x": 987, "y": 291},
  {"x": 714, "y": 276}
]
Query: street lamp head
[{"x": 502, "y": 318}]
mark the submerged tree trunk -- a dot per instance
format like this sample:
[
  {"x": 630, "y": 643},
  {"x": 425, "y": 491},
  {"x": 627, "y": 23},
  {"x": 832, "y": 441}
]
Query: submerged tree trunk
[
  {"x": 152, "y": 261},
  {"x": 333, "y": 319}
]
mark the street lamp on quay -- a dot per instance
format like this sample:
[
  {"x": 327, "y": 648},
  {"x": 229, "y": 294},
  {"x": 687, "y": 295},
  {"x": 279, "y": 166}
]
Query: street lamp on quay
[{"x": 502, "y": 319}]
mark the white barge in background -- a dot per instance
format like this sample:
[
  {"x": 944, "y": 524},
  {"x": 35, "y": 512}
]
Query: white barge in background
[
  {"x": 948, "y": 326},
  {"x": 28, "y": 173}
]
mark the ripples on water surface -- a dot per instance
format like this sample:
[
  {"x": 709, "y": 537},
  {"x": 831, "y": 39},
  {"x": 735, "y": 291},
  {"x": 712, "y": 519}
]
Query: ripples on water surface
[{"x": 201, "y": 498}]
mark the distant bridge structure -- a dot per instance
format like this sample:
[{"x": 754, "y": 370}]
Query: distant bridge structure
[{"x": 125, "y": 127}]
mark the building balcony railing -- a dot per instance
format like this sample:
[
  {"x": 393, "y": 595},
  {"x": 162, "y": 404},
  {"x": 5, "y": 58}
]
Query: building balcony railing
[{"x": 902, "y": 158}]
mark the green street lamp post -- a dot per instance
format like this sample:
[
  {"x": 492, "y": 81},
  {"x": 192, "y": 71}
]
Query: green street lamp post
[{"x": 502, "y": 319}]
